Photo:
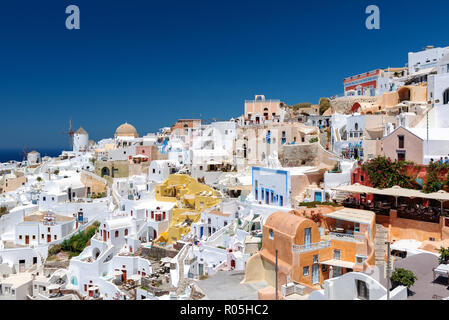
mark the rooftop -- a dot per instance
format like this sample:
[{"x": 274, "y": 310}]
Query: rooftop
[{"x": 353, "y": 215}]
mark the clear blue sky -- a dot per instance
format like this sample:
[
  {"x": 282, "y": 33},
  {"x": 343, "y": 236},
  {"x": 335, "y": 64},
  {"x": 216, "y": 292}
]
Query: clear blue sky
[{"x": 152, "y": 62}]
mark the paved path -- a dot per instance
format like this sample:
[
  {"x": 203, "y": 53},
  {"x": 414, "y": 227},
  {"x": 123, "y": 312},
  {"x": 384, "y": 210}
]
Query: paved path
[
  {"x": 425, "y": 287},
  {"x": 225, "y": 285}
]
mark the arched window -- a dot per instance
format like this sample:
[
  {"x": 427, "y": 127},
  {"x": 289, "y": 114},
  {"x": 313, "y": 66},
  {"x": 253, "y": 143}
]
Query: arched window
[
  {"x": 126, "y": 232},
  {"x": 116, "y": 233},
  {"x": 446, "y": 97},
  {"x": 356, "y": 126}
]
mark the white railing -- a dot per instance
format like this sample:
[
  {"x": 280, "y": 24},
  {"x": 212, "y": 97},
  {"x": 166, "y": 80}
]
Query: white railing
[
  {"x": 346, "y": 237},
  {"x": 311, "y": 247}
]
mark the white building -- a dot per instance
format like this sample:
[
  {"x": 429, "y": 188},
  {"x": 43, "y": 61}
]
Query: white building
[
  {"x": 428, "y": 58},
  {"x": 80, "y": 140},
  {"x": 33, "y": 157}
]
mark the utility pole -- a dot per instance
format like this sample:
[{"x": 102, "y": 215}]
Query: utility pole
[
  {"x": 276, "y": 272},
  {"x": 388, "y": 269}
]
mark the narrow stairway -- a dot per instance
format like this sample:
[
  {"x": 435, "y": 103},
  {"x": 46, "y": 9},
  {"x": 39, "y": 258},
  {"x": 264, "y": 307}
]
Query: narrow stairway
[{"x": 379, "y": 244}]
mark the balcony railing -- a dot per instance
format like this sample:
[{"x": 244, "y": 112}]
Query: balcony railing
[
  {"x": 311, "y": 247},
  {"x": 346, "y": 237}
]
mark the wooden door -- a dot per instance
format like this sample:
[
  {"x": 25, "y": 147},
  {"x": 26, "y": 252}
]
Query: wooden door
[{"x": 27, "y": 239}]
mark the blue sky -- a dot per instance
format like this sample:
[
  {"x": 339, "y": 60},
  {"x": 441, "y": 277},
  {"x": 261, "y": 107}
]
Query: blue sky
[{"x": 152, "y": 62}]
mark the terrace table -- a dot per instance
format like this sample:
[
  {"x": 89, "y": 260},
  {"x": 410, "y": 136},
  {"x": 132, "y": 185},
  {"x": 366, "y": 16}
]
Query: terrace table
[{"x": 442, "y": 269}]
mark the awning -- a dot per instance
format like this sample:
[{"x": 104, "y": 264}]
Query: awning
[
  {"x": 352, "y": 215},
  {"x": 394, "y": 191},
  {"x": 339, "y": 263}
]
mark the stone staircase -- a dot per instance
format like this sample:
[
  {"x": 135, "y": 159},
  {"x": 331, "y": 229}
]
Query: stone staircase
[
  {"x": 379, "y": 244},
  {"x": 339, "y": 196}
]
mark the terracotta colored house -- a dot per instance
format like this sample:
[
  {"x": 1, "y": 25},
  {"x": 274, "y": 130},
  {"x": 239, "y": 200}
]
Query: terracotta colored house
[{"x": 310, "y": 252}]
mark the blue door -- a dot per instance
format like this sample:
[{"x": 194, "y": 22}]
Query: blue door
[
  {"x": 201, "y": 232},
  {"x": 318, "y": 196}
]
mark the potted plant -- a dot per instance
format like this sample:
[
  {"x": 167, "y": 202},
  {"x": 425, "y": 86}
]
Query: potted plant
[
  {"x": 444, "y": 255},
  {"x": 403, "y": 277}
]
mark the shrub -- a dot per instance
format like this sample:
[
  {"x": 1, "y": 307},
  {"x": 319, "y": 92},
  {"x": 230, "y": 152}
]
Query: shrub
[
  {"x": 313, "y": 204},
  {"x": 404, "y": 277},
  {"x": 3, "y": 210},
  {"x": 39, "y": 179},
  {"x": 384, "y": 173},
  {"x": 444, "y": 254},
  {"x": 433, "y": 182},
  {"x": 313, "y": 140}
]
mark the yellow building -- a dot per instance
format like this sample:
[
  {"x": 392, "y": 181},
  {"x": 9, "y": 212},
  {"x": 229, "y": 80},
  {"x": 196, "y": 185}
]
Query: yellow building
[{"x": 191, "y": 198}]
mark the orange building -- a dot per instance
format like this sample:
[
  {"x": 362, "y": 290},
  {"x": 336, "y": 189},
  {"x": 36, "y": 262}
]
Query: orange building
[{"x": 308, "y": 253}]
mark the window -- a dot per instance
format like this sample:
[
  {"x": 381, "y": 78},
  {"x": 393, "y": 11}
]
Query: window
[
  {"x": 315, "y": 258},
  {"x": 34, "y": 237},
  {"x": 446, "y": 97},
  {"x": 324, "y": 267},
  {"x": 126, "y": 232},
  {"x": 48, "y": 229},
  {"x": 336, "y": 254},
  {"x": 55, "y": 237},
  {"x": 271, "y": 234},
  {"x": 20, "y": 237},
  {"x": 356, "y": 227},
  {"x": 116, "y": 233},
  {"x": 362, "y": 290},
  {"x": 401, "y": 155},
  {"x": 305, "y": 271},
  {"x": 401, "y": 142},
  {"x": 359, "y": 259}
]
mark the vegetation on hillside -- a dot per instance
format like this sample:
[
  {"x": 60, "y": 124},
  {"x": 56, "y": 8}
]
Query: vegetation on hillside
[
  {"x": 325, "y": 104},
  {"x": 76, "y": 243},
  {"x": 3, "y": 210}
]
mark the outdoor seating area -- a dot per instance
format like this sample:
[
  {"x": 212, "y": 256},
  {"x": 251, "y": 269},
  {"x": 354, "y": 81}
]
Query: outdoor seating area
[
  {"x": 414, "y": 211},
  {"x": 409, "y": 203}
]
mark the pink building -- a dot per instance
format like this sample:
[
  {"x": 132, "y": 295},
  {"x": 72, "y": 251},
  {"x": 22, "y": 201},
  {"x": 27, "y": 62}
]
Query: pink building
[{"x": 259, "y": 108}]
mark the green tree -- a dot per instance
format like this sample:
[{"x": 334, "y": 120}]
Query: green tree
[{"x": 403, "y": 277}]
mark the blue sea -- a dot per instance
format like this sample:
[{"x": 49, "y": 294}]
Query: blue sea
[{"x": 16, "y": 154}]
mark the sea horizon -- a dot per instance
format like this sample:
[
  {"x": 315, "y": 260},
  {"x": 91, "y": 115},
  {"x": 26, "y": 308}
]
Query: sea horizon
[{"x": 11, "y": 154}]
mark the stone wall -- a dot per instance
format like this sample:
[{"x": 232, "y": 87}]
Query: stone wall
[
  {"x": 306, "y": 154},
  {"x": 343, "y": 105}
]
